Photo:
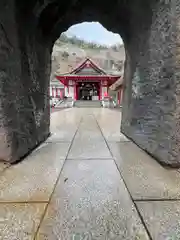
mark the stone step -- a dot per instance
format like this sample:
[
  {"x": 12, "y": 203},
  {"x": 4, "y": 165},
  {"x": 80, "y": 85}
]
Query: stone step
[{"x": 86, "y": 104}]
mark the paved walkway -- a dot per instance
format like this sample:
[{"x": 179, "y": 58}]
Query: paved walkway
[{"x": 89, "y": 182}]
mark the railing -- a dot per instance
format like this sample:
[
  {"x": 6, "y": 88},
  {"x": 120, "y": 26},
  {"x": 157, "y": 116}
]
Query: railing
[
  {"x": 107, "y": 103},
  {"x": 65, "y": 103},
  {"x": 69, "y": 102},
  {"x": 58, "y": 103}
]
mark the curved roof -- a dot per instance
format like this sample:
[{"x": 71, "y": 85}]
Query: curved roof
[{"x": 90, "y": 63}]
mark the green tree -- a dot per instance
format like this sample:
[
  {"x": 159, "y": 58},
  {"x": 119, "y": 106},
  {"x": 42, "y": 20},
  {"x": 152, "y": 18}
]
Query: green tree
[
  {"x": 65, "y": 54},
  {"x": 79, "y": 42}
]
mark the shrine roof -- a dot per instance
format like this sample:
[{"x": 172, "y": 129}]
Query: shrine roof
[
  {"x": 116, "y": 85},
  {"x": 87, "y": 76},
  {"x": 90, "y": 64}
]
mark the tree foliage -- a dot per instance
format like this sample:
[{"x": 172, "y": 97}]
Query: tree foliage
[
  {"x": 83, "y": 44},
  {"x": 65, "y": 54}
]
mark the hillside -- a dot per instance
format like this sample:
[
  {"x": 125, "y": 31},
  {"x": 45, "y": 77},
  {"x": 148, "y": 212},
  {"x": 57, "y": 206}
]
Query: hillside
[{"x": 68, "y": 52}]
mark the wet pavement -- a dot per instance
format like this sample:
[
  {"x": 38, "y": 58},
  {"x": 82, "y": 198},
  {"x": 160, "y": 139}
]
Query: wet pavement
[{"x": 88, "y": 182}]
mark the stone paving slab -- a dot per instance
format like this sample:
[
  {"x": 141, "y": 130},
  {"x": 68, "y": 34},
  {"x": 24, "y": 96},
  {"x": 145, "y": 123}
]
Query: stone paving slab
[
  {"x": 109, "y": 122},
  {"x": 89, "y": 123},
  {"x": 91, "y": 200},
  {"x": 89, "y": 130},
  {"x": 63, "y": 126},
  {"x": 89, "y": 135},
  {"x": 114, "y": 136},
  {"x": 144, "y": 176},
  {"x": 20, "y": 221},
  {"x": 89, "y": 142},
  {"x": 88, "y": 149},
  {"x": 65, "y": 118},
  {"x": 90, "y": 197},
  {"x": 161, "y": 218},
  {"x": 33, "y": 179},
  {"x": 66, "y": 134}
]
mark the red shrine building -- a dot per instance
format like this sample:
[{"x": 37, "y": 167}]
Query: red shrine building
[{"x": 87, "y": 81}]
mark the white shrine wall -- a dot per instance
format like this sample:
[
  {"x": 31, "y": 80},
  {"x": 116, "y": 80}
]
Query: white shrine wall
[{"x": 103, "y": 91}]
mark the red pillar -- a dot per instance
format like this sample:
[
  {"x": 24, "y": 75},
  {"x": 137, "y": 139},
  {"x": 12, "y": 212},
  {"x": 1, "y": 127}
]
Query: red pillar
[
  {"x": 75, "y": 92},
  {"x": 53, "y": 92},
  {"x": 100, "y": 90},
  {"x": 119, "y": 95},
  {"x": 68, "y": 87}
]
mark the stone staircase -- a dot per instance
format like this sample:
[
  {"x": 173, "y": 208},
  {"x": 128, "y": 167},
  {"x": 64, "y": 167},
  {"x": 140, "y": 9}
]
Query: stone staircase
[
  {"x": 88, "y": 104},
  {"x": 68, "y": 103}
]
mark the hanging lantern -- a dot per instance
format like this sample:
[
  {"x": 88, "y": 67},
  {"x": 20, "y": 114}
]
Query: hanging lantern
[{"x": 105, "y": 94}]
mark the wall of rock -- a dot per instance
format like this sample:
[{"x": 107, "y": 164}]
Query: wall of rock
[
  {"x": 151, "y": 110},
  {"x": 24, "y": 79},
  {"x": 150, "y": 30}
]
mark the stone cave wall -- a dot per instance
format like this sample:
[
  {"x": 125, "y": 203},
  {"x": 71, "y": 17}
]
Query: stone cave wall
[
  {"x": 151, "y": 112},
  {"x": 24, "y": 81},
  {"x": 151, "y": 108}
]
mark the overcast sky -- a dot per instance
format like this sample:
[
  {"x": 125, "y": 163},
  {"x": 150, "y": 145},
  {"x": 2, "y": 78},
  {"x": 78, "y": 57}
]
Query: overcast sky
[{"x": 94, "y": 32}]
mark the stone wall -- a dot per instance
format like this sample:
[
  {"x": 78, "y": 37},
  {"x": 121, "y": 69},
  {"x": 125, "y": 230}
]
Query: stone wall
[
  {"x": 150, "y": 112},
  {"x": 24, "y": 79}
]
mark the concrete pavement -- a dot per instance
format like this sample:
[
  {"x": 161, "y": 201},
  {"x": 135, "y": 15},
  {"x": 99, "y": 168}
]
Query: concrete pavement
[{"x": 89, "y": 182}]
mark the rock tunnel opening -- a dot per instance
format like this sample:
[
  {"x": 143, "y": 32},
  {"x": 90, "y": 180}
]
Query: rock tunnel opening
[
  {"x": 80, "y": 42},
  {"x": 150, "y": 33}
]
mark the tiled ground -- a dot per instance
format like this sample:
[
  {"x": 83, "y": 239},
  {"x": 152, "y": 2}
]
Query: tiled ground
[{"x": 89, "y": 182}]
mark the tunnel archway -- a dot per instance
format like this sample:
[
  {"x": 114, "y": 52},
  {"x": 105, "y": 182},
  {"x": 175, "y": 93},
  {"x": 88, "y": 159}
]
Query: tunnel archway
[
  {"x": 150, "y": 33},
  {"x": 87, "y": 40}
]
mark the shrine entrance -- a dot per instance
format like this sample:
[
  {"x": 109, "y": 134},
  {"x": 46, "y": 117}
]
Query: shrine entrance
[
  {"x": 88, "y": 91},
  {"x": 87, "y": 81}
]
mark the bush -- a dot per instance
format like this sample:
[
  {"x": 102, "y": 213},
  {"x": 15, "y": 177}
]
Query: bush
[{"x": 65, "y": 54}]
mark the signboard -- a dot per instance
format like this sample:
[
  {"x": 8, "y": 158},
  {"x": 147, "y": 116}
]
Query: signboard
[{"x": 104, "y": 83}]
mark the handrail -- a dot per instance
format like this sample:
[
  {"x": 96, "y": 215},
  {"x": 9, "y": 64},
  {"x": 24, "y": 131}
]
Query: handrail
[
  {"x": 108, "y": 103},
  {"x": 69, "y": 103},
  {"x": 58, "y": 103}
]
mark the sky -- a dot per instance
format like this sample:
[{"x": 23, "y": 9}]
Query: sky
[{"x": 94, "y": 32}]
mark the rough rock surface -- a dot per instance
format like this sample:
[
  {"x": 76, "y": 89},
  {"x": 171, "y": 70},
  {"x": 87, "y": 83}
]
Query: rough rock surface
[
  {"x": 151, "y": 113},
  {"x": 151, "y": 101},
  {"x": 24, "y": 79}
]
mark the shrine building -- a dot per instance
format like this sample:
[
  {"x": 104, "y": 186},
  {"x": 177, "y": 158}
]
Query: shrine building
[{"x": 87, "y": 81}]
